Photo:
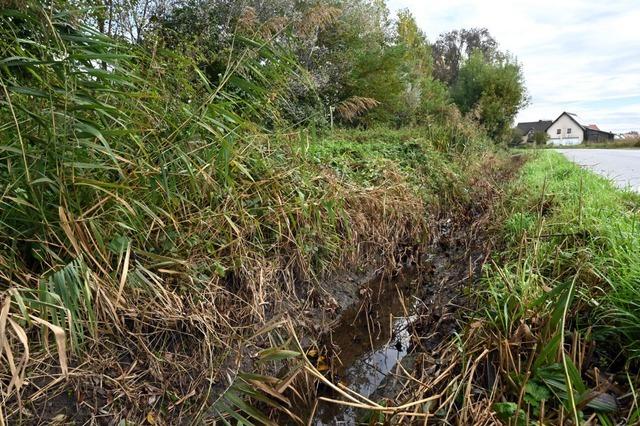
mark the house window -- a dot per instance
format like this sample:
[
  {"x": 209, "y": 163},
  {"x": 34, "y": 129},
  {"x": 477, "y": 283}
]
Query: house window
[
  {"x": 558, "y": 131},
  {"x": 569, "y": 130}
]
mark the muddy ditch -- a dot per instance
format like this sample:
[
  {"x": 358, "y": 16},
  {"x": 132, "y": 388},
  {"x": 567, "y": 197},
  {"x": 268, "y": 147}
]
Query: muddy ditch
[
  {"x": 380, "y": 322},
  {"x": 400, "y": 320},
  {"x": 397, "y": 318}
]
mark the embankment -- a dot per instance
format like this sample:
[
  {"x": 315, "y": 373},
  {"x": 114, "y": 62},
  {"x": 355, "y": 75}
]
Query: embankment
[{"x": 554, "y": 338}]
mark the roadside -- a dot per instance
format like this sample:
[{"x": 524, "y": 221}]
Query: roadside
[
  {"x": 616, "y": 144},
  {"x": 550, "y": 332},
  {"x": 558, "y": 331}
]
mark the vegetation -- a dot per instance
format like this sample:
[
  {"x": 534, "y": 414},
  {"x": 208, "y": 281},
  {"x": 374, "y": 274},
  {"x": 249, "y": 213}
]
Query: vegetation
[
  {"x": 615, "y": 144},
  {"x": 182, "y": 183},
  {"x": 169, "y": 193},
  {"x": 540, "y": 138},
  {"x": 560, "y": 301},
  {"x": 492, "y": 91}
]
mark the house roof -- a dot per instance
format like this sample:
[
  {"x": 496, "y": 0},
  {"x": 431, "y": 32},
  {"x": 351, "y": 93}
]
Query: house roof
[
  {"x": 578, "y": 121},
  {"x": 536, "y": 126}
]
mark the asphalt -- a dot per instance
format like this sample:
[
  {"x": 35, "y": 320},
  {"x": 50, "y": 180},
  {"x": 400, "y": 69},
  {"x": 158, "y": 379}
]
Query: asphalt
[{"x": 620, "y": 165}]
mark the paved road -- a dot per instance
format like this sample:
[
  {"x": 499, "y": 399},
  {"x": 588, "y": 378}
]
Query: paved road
[{"x": 620, "y": 165}]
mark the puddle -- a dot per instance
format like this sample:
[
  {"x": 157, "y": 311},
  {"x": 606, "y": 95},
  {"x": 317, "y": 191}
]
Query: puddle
[{"x": 369, "y": 349}]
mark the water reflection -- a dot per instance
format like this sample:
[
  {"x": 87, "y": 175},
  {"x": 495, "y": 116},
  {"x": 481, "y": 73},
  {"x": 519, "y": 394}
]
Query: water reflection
[{"x": 370, "y": 347}]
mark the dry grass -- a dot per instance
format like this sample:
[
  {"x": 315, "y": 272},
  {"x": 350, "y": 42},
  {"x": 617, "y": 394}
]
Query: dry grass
[
  {"x": 351, "y": 108},
  {"x": 445, "y": 384}
]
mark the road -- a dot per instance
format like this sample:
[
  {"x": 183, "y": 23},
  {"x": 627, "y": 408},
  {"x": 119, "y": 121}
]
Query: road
[{"x": 620, "y": 165}]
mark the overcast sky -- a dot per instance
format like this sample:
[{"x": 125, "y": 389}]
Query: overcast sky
[{"x": 580, "y": 56}]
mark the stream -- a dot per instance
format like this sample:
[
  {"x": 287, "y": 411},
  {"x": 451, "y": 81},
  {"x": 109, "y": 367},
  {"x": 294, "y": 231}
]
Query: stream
[{"x": 369, "y": 347}]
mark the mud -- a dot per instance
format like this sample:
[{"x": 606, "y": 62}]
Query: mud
[
  {"x": 372, "y": 337},
  {"x": 400, "y": 322}
]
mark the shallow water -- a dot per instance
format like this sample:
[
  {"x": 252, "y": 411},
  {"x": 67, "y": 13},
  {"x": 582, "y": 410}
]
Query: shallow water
[{"x": 370, "y": 346}]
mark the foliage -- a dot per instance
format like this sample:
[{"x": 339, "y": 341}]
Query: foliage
[
  {"x": 353, "y": 50},
  {"x": 167, "y": 188},
  {"x": 540, "y": 138},
  {"x": 454, "y": 48},
  {"x": 516, "y": 136},
  {"x": 435, "y": 102},
  {"x": 492, "y": 92},
  {"x": 156, "y": 213}
]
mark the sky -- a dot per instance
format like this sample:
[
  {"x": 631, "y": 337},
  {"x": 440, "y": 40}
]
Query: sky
[{"x": 579, "y": 56}]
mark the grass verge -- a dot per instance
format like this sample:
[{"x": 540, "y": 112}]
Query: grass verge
[
  {"x": 615, "y": 144},
  {"x": 560, "y": 322}
]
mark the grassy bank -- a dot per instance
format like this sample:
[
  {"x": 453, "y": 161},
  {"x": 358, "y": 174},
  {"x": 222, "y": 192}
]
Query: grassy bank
[
  {"x": 154, "y": 231},
  {"x": 560, "y": 310}
]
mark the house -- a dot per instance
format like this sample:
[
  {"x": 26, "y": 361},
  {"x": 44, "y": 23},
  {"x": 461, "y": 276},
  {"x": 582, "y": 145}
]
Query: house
[
  {"x": 568, "y": 129},
  {"x": 528, "y": 129},
  {"x": 631, "y": 135}
]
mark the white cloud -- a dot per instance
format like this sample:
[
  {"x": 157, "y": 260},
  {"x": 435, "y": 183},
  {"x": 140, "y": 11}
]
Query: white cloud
[{"x": 581, "y": 56}]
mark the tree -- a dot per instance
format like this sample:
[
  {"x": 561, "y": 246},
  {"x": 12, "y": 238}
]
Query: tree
[
  {"x": 452, "y": 49},
  {"x": 516, "y": 136},
  {"x": 415, "y": 66},
  {"x": 540, "y": 138},
  {"x": 492, "y": 92},
  {"x": 126, "y": 19},
  {"x": 349, "y": 55},
  {"x": 435, "y": 99}
]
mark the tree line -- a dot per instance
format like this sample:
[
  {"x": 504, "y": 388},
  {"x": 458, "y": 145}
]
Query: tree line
[{"x": 353, "y": 62}]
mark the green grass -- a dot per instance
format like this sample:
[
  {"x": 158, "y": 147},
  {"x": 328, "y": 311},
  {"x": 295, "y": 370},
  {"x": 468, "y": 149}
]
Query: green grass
[
  {"x": 565, "y": 294},
  {"x": 367, "y": 157}
]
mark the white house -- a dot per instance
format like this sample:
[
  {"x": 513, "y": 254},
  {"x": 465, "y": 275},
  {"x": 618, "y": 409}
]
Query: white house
[{"x": 568, "y": 129}]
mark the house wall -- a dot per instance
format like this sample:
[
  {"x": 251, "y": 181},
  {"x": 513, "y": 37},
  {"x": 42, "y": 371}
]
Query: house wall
[{"x": 563, "y": 124}]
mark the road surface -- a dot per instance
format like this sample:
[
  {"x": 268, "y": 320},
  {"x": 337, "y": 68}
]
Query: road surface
[{"x": 620, "y": 165}]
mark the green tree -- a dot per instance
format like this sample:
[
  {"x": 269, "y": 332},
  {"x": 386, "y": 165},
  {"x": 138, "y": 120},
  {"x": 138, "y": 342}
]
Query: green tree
[
  {"x": 516, "y": 136},
  {"x": 492, "y": 92},
  {"x": 415, "y": 66},
  {"x": 540, "y": 138},
  {"x": 435, "y": 100},
  {"x": 453, "y": 48}
]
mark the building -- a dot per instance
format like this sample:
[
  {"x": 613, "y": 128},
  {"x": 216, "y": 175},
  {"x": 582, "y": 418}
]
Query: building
[
  {"x": 568, "y": 129},
  {"x": 631, "y": 135},
  {"x": 529, "y": 129}
]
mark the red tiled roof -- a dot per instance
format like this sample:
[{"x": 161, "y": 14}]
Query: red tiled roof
[{"x": 593, "y": 127}]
